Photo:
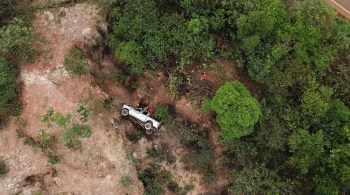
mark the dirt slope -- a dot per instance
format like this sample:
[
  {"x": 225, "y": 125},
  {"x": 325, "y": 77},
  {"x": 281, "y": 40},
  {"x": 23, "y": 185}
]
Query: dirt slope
[{"x": 103, "y": 161}]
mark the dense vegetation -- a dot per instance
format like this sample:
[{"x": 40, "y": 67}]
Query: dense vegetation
[
  {"x": 16, "y": 37},
  {"x": 298, "y": 49}
]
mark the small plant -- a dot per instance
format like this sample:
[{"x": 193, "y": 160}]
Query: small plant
[
  {"x": 158, "y": 155},
  {"x": 117, "y": 76},
  {"x": 161, "y": 112},
  {"x": 134, "y": 135},
  {"x": 3, "y": 168},
  {"x": 84, "y": 113},
  {"x": 46, "y": 139},
  {"x": 52, "y": 159},
  {"x": 173, "y": 186},
  {"x": 47, "y": 118},
  {"x": 21, "y": 122},
  {"x": 70, "y": 136},
  {"x": 31, "y": 142},
  {"x": 61, "y": 120},
  {"x": 174, "y": 84},
  {"x": 76, "y": 63},
  {"x": 126, "y": 181},
  {"x": 19, "y": 134}
]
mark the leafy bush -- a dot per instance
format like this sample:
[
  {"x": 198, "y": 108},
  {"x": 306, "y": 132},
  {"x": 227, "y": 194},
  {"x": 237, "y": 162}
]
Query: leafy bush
[
  {"x": 157, "y": 155},
  {"x": 174, "y": 84},
  {"x": 161, "y": 112},
  {"x": 16, "y": 38},
  {"x": 76, "y": 63},
  {"x": 61, "y": 120},
  {"x": 58, "y": 118},
  {"x": 154, "y": 179},
  {"x": 84, "y": 113},
  {"x": 126, "y": 181},
  {"x": 3, "y": 168},
  {"x": 8, "y": 88},
  {"x": 71, "y": 135},
  {"x": 117, "y": 76},
  {"x": 46, "y": 140},
  {"x": 237, "y": 111},
  {"x": 52, "y": 159},
  {"x": 134, "y": 135}
]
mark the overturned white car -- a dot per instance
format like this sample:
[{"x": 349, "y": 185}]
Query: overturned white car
[{"x": 142, "y": 117}]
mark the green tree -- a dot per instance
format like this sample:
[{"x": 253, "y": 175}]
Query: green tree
[
  {"x": 316, "y": 99},
  {"x": 237, "y": 111},
  {"x": 16, "y": 38}
]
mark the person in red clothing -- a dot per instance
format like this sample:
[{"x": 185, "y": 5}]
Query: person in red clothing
[
  {"x": 151, "y": 110},
  {"x": 203, "y": 76}
]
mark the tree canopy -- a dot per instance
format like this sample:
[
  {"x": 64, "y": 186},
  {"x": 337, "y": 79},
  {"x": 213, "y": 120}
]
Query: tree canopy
[{"x": 237, "y": 111}]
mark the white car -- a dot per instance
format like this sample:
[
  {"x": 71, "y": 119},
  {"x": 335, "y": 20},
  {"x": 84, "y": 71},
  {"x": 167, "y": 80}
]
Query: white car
[{"x": 142, "y": 117}]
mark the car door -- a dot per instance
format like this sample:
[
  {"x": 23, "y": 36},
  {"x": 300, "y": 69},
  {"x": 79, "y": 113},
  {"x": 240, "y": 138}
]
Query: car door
[{"x": 138, "y": 115}]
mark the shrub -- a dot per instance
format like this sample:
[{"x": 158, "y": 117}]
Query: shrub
[
  {"x": 47, "y": 117},
  {"x": 19, "y": 134},
  {"x": 52, "y": 159},
  {"x": 61, "y": 120},
  {"x": 70, "y": 136},
  {"x": 8, "y": 88},
  {"x": 3, "y": 168},
  {"x": 134, "y": 135},
  {"x": 174, "y": 84},
  {"x": 117, "y": 76},
  {"x": 16, "y": 38},
  {"x": 21, "y": 122},
  {"x": 46, "y": 140},
  {"x": 76, "y": 63},
  {"x": 157, "y": 155},
  {"x": 126, "y": 181},
  {"x": 84, "y": 113},
  {"x": 161, "y": 112}
]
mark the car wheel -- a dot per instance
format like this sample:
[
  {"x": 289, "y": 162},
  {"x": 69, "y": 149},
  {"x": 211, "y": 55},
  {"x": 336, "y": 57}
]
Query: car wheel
[
  {"x": 148, "y": 125},
  {"x": 125, "y": 112},
  {"x": 149, "y": 131}
]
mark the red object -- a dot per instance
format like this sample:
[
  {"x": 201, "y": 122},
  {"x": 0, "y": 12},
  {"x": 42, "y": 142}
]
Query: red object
[
  {"x": 150, "y": 110},
  {"x": 203, "y": 75}
]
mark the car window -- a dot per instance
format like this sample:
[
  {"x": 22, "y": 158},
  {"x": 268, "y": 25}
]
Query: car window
[
  {"x": 138, "y": 109},
  {"x": 145, "y": 113}
]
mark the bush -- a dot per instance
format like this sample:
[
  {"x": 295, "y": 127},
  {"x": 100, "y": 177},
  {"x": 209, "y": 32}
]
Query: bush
[
  {"x": 17, "y": 38},
  {"x": 3, "y": 168},
  {"x": 117, "y": 76},
  {"x": 237, "y": 111},
  {"x": 46, "y": 139},
  {"x": 134, "y": 135},
  {"x": 161, "y": 112},
  {"x": 52, "y": 159},
  {"x": 157, "y": 155},
  {"x": 76, "y": 63},
  {"x": 126, "y": 181},
  {"x": 8, "y": 88},
  {"x": 70, "y": 136},
  {"x": 84, "y": 113}
]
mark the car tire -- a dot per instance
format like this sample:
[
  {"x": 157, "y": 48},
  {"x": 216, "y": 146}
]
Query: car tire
[
  {"x": 125, "y": 112},
  {"x": 149, "y": 131},
  {"x": 148, "y": 125}
]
